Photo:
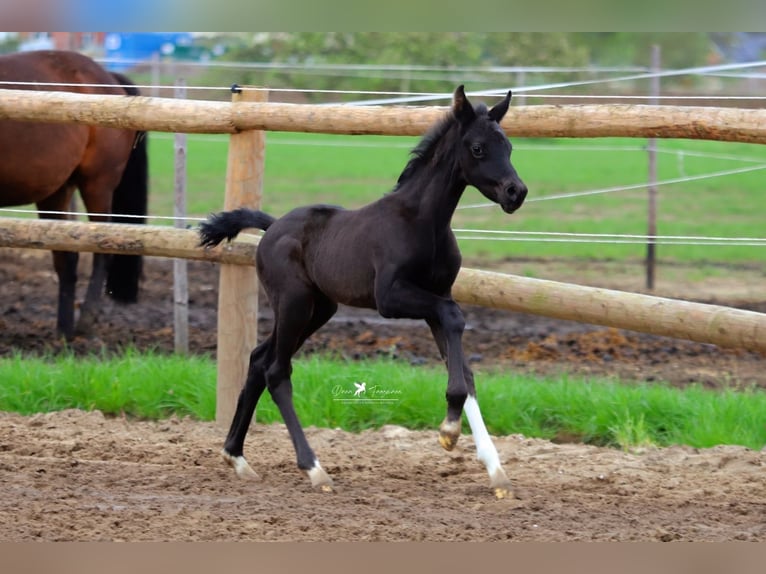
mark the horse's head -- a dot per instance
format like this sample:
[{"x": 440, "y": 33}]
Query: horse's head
[{"x": 485, "y": 152}]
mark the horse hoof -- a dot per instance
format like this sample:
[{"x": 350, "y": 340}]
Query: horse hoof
[
  {"x": 447, "y": 442},
  {"x": 86, "y": 325},
  {"x": 501, "y": 493},
  {"x": 449, "y": 433},
  {"x": 501, "y": 484},
  {"x": 320, "y": 479},
  {"x": 240, "y": 466}
]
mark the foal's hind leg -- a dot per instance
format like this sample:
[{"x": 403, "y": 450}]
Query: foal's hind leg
[
  {"x": 299, "y": 313},
  {"x": 261, "y": 358},
  {"x": 254, "y": 385}
]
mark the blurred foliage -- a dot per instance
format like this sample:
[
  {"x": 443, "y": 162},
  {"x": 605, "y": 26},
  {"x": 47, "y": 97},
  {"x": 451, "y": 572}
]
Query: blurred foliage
[
  {"x": 288, "y": 57},
  {"x": 9, "y": 44},
  {"x": 679, "y": 49},
  {"x": 425, "y": 50},
  {"x": 563, "y": 49}
]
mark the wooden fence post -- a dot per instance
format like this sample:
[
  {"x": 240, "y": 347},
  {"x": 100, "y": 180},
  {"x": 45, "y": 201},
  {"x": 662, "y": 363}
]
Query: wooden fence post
[
  {"x": 180, "y": 266},
  {"x": 238, "y": 287},
  {"x": 651, "y": 246}
]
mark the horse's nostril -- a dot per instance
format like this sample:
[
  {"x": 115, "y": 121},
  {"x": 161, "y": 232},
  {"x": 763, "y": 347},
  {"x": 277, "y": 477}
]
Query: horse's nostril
[{"x": 516, "y": 193}]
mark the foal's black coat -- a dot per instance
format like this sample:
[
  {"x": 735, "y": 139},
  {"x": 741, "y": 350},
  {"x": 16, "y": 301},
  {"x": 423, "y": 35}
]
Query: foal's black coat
[{"x": 397, "y": 255}]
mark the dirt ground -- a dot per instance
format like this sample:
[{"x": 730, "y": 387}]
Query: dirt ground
[{"x": 80, "y": 476}]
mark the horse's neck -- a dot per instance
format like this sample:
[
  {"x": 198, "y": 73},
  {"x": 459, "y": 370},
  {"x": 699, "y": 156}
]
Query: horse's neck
[{"x": 433, "y": 194}]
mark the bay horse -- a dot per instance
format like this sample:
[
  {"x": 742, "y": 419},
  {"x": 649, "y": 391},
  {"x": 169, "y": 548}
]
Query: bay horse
[
  {"x": 44, "y": 163},
  {"x": 397, "y": 255}
]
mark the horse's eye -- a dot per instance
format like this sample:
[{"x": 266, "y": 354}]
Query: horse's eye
[{"x": 477, "y": 150}]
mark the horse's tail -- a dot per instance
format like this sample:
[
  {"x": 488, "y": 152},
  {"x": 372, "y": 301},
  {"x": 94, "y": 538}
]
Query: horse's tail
[
  {"x": 227, "y": 224},
  {"x": 130, "y": 198}
]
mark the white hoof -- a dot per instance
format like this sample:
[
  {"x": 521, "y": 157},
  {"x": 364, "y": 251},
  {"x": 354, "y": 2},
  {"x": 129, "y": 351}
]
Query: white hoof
[
  {"x": 501, "y": 484},
  {"x": 319, "y": 478},
  {"x": 240, "y": 466}
]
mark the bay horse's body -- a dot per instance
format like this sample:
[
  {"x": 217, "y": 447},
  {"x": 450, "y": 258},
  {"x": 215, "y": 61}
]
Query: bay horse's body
[
  {"x": 44, "y": 163},
  {"x": 397, "y": 255}
]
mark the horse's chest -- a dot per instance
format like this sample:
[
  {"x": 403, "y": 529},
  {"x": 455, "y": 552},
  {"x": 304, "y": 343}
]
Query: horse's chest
[
  {"x": 439, "y": 278},
  {"x": 437, "y": 267},
  {"x": 438, "y": 272}
]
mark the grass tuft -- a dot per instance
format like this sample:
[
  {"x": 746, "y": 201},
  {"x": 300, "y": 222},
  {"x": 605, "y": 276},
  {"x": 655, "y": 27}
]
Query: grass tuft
[{"x": 563, "y": 408}]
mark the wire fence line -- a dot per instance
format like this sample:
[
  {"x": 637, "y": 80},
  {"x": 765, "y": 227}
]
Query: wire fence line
[
  {"x": 574, "y": 237},
  {"x": 493, "y": 234},
  {"x": 634, "y": 186},
  {"x": 405, "y": 97}
]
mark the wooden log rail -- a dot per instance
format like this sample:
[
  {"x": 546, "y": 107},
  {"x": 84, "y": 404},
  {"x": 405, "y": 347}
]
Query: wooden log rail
[
  {"x": 195, "y": 116},
  {"x": 724, "y": 326}
]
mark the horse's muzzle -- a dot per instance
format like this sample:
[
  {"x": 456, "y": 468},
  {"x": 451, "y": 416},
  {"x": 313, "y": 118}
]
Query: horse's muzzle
[{"x": 514, "y": 197}]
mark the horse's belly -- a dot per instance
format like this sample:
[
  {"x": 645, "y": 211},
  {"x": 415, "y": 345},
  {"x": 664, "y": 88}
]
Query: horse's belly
[
  {"x": 35, "y": 163},
  {"x": 15, "y": 193},
  {"x": 352, "y": 289}
]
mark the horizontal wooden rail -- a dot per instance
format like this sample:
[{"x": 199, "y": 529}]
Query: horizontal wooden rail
[
  {"x": 699, "y": 322},
  {"x": 122, "y": 239},
  {"x": 703, "y": 323},
  {"x": 196, "y": 116}
]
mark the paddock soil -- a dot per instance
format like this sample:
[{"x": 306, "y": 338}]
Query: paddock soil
[{"x": 76, "y": 475}]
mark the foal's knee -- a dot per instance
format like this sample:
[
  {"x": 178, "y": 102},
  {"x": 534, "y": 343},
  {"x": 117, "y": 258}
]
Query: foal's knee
[
  {"x": 278, "y": 379},
  {"x": 258, "y": 355},
  {"x": 452, "y": 319}
]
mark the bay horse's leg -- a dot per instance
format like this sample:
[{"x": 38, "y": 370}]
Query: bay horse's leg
[
  {"x": 485, "y": 448},
  {"x": 89, "y": 307},
  {"x": 97, "y": 177},
  {"x": 64, "y": 263},
  {"x": 96, "y": 196}
]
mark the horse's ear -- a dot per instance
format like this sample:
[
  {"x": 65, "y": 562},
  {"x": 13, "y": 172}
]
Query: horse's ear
[
  {"x": 461, "y": 107},
  {"x": 499, "y": 110}
]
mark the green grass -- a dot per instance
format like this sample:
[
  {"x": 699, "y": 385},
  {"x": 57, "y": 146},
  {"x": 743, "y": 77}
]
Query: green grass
[
  {"x": 147, "y": 385},
  {"x": 354, "y": 170},
  {"x": 142, "y": 385}
]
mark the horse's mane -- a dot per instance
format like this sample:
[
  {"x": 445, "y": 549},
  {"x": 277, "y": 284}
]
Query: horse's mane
[{"x": 424, "y": 151}]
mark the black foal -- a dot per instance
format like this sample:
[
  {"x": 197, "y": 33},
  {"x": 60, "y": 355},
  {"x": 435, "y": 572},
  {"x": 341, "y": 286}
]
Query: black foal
[{"x": 397, "y": 255}]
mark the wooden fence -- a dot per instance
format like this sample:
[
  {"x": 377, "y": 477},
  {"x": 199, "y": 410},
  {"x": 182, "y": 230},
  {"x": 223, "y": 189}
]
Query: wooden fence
[
  {"x": 704, "y": 323},
  {"x": 195, "y": 116},
  {"x": 700, "y": 322}
]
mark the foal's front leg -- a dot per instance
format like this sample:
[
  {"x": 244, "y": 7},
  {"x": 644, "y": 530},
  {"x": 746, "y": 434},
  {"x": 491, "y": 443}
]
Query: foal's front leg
[
  {"x": 485, "y": 448},
  {"x": 401, "y": 299}
]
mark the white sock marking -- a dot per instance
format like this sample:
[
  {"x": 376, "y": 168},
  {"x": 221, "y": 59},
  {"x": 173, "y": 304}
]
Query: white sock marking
[{"x": 485, "y": 449}]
